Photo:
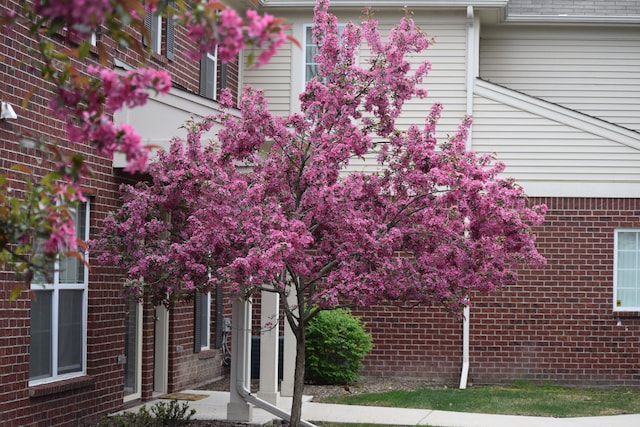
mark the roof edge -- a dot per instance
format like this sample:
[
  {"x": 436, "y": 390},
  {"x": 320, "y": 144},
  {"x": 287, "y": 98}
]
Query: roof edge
[
  {"x": 568, "y": 19},
  {"x": 385, "y": 3}
]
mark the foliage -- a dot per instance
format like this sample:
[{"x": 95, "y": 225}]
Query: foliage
[
  {"x": 161, "y": 415},
  {"x": 35, "y": 223},
  {"x": 273, "y": 205},
  {"x": 172, "y": 413},
  {"x": 518, "y": 399},
  {"x": 84, "y": 97},
  {"x": 336, "y": 344}
]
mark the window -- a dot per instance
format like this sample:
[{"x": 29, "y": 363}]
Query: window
[
  {"x": 310, "y": 51},
  {"x": 209, "y": 76},
  {"x": 202, "y": 317},
  {"x": 627, "y": 270},
  {"x": 59, "y": 313},
  {"x": 153, "y": 25}
]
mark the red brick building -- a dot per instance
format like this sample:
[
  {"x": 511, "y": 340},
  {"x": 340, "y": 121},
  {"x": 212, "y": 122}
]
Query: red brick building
[
  {"x": 557, "y": 325},
  {"x": 553, "y": 90},
  {"x": 77, "y": 350}
]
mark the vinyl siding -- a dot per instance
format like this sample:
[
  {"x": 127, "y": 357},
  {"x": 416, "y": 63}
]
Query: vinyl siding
[
  {"x": 592, "y": 70},
  {"x": 274, "y": 78},
  {"x": 548, "y": 157}
]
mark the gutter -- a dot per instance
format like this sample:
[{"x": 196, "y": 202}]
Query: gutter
[
  {"x": 572, "y": 19},
  {"x": 411, "y": 4}
]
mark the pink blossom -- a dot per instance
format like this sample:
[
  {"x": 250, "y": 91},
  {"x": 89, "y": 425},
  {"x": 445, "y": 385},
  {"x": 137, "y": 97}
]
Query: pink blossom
[
  {"x": 293, "y": 220},
  {"x": 82, "y": 15}
]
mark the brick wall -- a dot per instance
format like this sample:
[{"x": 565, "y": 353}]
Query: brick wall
[
  {"x": 100, "y": 391},
  {"x": 556, "y": 324},
  {"x": 188, "y": 368}
]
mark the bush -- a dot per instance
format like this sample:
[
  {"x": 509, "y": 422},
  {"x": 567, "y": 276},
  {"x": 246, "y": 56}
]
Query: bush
[
  {"x": 336, "y": 343},
  {"x": 162, "y": 415}
]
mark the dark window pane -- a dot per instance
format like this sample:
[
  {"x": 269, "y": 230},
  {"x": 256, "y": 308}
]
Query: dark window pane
[
  {"x": 40, "y": 349},
  {"x": 70, "y": 332},
  {"x": 131, "y": 348},
  {"x": 204, "y": 319}
]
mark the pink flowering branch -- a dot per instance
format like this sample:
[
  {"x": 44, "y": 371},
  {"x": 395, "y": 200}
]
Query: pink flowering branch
[{"x": 84, "y": 99}]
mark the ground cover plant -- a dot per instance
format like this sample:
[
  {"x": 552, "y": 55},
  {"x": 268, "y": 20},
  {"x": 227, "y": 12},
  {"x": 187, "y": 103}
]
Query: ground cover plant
[{"x": 518, "y": 399}]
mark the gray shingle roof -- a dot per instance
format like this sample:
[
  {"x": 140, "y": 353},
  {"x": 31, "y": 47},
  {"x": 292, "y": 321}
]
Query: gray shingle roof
[{"x": 574, "y": 7}]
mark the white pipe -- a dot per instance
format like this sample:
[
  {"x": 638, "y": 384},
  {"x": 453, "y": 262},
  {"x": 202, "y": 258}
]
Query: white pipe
[
  {"x": 465, "y": 349},
  {"x": 244, "y": 348},
  {"x": 471, "y": 66},
  {"x": 472, "y": 70}
]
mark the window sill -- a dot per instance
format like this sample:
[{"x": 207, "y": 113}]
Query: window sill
[
  {"x": 207, "y": 354},
  {"x": 626, "y": 314},
  {"x": 61, "y": 386}
]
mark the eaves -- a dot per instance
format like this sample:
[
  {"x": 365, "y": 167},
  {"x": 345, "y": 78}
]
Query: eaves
[{"x": 272, "y": 4}]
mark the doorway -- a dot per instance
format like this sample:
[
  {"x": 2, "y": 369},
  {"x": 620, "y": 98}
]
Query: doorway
[
  {"x": 161, "y": 350},
  {"x": 132, "y": 350}
]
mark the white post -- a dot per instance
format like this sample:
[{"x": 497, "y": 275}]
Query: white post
[
  {"x": 237, "y": 408},
  {"x": 269, "y": 336},
  {"x": 289, "y": 356}
]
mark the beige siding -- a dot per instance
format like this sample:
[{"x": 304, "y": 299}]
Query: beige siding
[
  {"x": 548, "y": 157},
  {"x": 274, "y": 78},
  {"x": 445, "y": 82},
  {"x": 592, "y": 70}
]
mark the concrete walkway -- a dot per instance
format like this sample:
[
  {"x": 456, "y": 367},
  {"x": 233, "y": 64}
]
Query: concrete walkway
[{"x": 214, "y": 407}]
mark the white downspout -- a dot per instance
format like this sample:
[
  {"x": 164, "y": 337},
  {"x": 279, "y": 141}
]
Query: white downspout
[
  {"x": 472, "y": 67},
  {"x": 243, "y": 347},
  {"x": 465, "y": 349}
]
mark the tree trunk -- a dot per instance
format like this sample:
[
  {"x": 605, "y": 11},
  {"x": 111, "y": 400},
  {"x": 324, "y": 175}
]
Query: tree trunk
[{"x": 298, "y": 383}]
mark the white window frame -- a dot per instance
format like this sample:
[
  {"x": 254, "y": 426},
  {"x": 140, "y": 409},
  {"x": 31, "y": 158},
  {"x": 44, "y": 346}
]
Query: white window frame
[
  {"x": 55, "y": 287},
  {"x": 137, "y": 392},
  {"x": 617, "y": 303},
  {"x": 206, "y": 322},
  {"x": 307, "y": 41},
  {"x": 214, "y": 80},
  {"x": 156, "y": 34}
]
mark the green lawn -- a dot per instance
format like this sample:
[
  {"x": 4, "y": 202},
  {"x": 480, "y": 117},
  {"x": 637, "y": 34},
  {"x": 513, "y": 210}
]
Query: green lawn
[
  {"x": 323, "y": 424},
  {"x": 519, "y": 399}
]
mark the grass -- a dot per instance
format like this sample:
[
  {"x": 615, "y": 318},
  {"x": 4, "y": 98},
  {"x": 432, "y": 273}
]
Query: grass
[
  {"x": 323, "y": 424},
  {"x": 520, "y": 399}
]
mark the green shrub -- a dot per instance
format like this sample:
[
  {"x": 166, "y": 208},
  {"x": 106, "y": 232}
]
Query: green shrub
[
  {"x": 172, "y": 414},
  {"x": 336, "y": 344},
  {"x": 162, "y": 415}
]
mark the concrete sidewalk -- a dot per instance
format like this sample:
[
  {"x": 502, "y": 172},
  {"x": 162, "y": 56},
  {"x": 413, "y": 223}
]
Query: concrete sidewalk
[{"x": 214, "y": 407}]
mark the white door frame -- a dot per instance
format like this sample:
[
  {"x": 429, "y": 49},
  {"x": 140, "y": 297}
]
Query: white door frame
[
  {"x": 161, "y": 350},
  {"x": 137, "y": 394}
]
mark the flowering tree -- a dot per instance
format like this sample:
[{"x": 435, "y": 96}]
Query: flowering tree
[
  {"x": 84, "y": 99},
  {"x": 271, "y": 204}
]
